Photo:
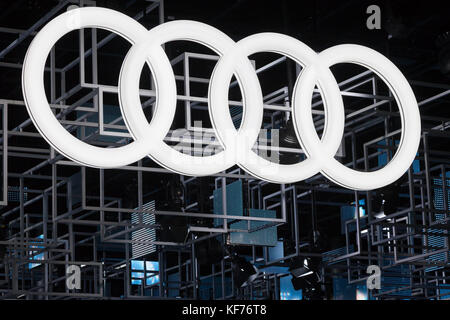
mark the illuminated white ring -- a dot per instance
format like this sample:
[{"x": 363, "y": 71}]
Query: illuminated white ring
[
  {"x": 44, "y": 119},
  {"x": 136, "y": 122},
  {"x": 406, "y": 102},
  {"x": 333, "y": 106}
]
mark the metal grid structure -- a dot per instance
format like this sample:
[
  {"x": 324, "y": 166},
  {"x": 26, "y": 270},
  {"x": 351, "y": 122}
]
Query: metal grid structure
[{"x": 59, "y": 213}]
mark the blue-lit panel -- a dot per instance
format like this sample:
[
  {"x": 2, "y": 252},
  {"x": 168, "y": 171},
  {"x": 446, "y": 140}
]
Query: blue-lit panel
[
  {"x": 349, "y": 213},
  {"x": 444, "y": 291},
  {"x": 39, "y": 256},
  {"x": 287, "y": 291},
  {"x": 235, "y": 204},
  {"x": 173, "y": 287},
  {"x": 361, "y": 292},
  {"x": 383, "y": 158},
  {"x": 342, "y": 290},
  {"x": 150, "y": 273},
  {"x": 152, "y": 265},
  {"x": 263, "y": 237},
  {"x": 276, "y": 252},
  {"x": 138, "y": 275},
  {"x": 137, "y": 265},
  {"x": 110, "y": 114},
  {"x": 152, "y": 280}
]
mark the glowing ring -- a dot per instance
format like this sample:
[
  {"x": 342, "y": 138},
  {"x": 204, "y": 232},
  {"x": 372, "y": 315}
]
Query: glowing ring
[
  {"x": 408, "y": 109},
  {"x": 39, "y": 109},
  {"x": 135, "y": 121},
  {"x": 302, "y": 54}
]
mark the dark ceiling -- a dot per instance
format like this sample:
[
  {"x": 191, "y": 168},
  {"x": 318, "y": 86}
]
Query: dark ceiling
[{"x": 409, "y": 34}]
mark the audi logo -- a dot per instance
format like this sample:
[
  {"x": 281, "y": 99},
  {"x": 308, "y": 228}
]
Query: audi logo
[{"x": 237, "y": 144}]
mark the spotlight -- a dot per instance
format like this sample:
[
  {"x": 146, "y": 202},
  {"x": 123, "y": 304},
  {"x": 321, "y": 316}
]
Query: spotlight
[
  {"x": 243, "y": 271},
  {"x": 288, "y": 139},
  {"x": 305, "y": 276},
  {"x": 173, "y": 195},
  {"x": 386, "y": 199},
  {"x": 172, "y": 228},
  {"x": 302, "y": 267}
]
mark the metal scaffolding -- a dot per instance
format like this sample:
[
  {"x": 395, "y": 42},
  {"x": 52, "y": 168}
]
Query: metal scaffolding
[{"x": 60, "y": 213}]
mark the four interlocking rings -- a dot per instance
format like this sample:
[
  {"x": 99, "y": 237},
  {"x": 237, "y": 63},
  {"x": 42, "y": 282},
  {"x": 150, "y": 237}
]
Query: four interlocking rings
[{"x": 237, "y": 144}]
